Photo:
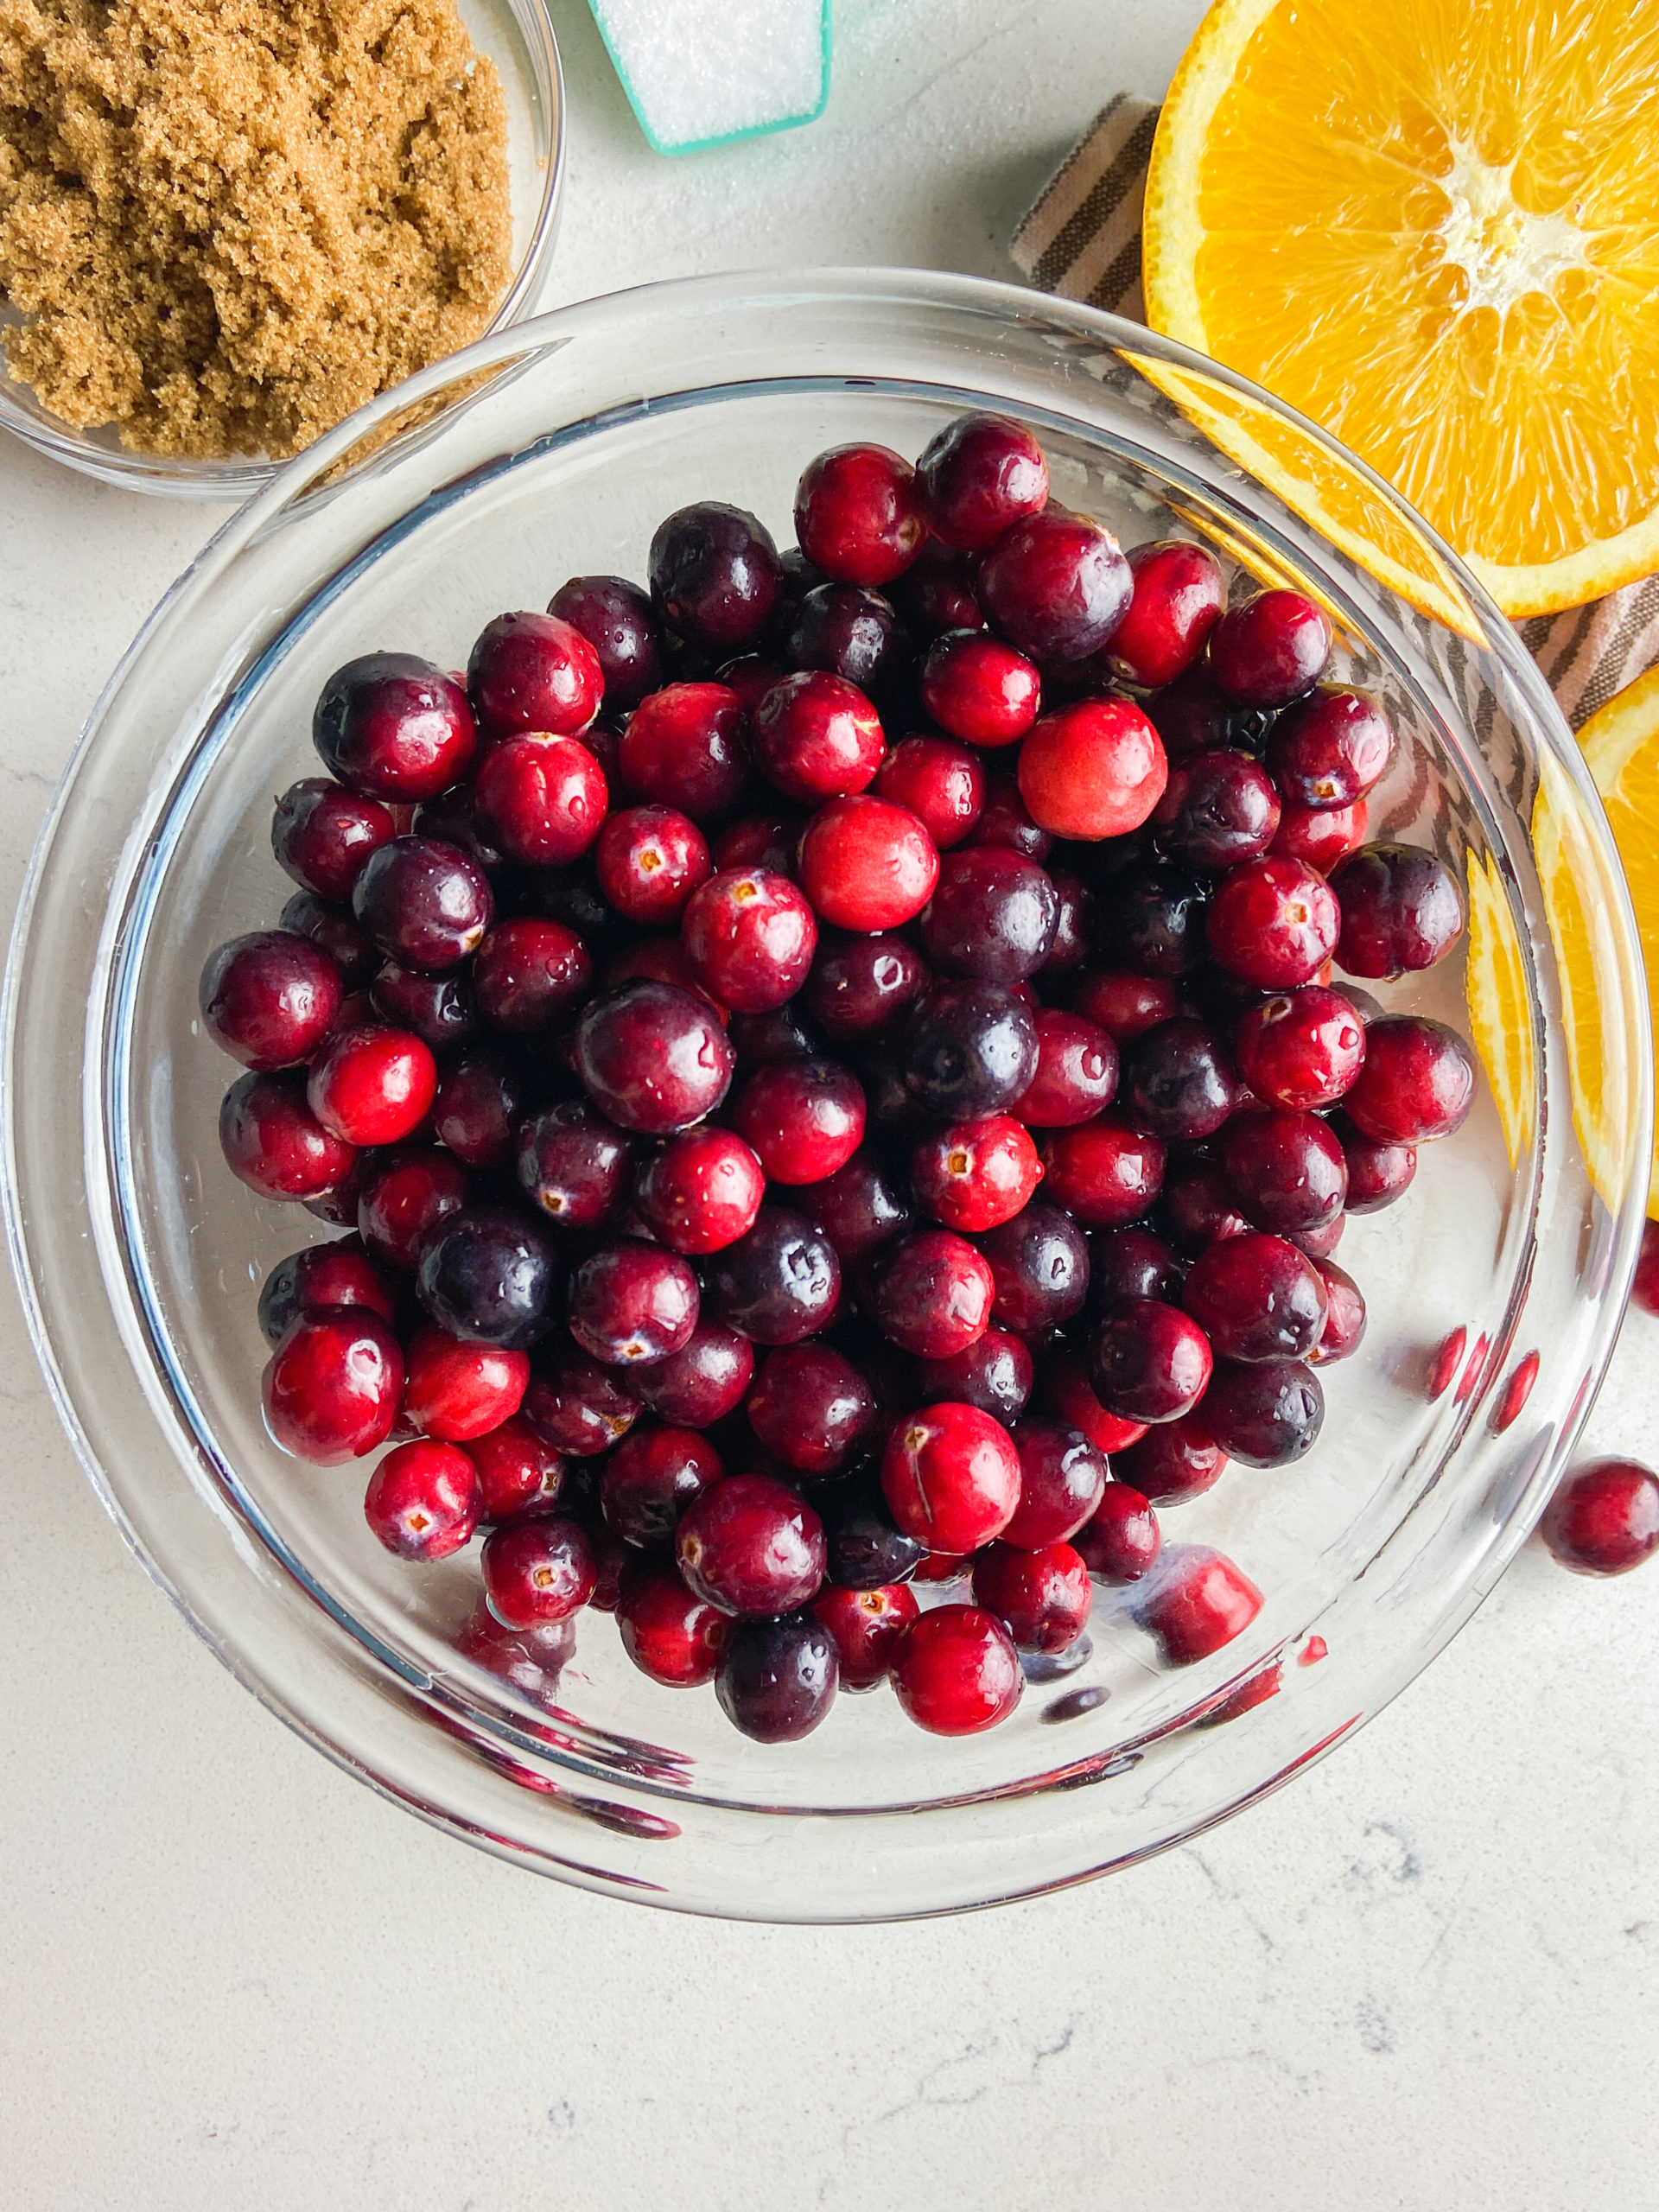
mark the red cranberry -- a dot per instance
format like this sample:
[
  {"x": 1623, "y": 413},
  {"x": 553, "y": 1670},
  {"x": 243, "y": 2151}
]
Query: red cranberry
[
  {"x": 670, "y": 1635},
  {"x": 702, "y": 1382},
  {"x": 534, "y": 672},
  {"x": 1043, "y": 1596},
  {"x": 980, "y": 690},
  {"x": 652, "y": 1058},
  {"x": 269, "y": 999},
  {"x": 1266, "y": 1414},
  {"x": 614, "y": 616},
  {"x": 322, "y": 835},
  {"x": 804, "y": 1119},
  {"x": 440, "y": 1009},
  {"x": 630, "y": 1302},
  {"x": 1200, "y": 1603},
  {"x": 992, "y": 917},
  {"x": 529, "y": 973},
  {"x": 652, "y": 1479},
  {"x": 861, "y": 985},
  {"x": 403, "y": 1199},
  {"x": 865, "y": 1625},
  {"x": 1377, "y": 1173},
  {"x": 1402, "y": 910},
  {"x": 423, "y": 1501},
  {"x": 752, "y": 1546},
  {"x": 817, "y": 737},
  {"x": 578, "y": 1406},
  {"x": 951, "y": 1475},
  {"x": 423, "y": 904},
  {"x": 1076, "y": 1071},
  {"x": 1125, "y": 1004},
  {"x": 1121, "y": 1542},
  {"x": 341, "y": 1274},
  {"x": 1344, "y": 1318},
  {"x": 1301, "y": 1049},
  {"x": 1218, "y": 808},
  {"x": 750, "y": 936},
  {"x": 994, "y": 1373},
  {"x": 1093, "y": 770},
  {"x": 516, "y": 1469},
  {"x": 1177, "y": 594},
  {"x": 1330, "y": 749},
  {"x": 1149, "y": 1361},
  {"x": 684, "y": 748},
  {"x": 331, "y": 1389},
  {"x": 850, "y": 632},
  {"x": 541, "y": 800},
  {"x": 391, "y": 727},
  {"x": 1257, "y": 1298},
  {"x": 476, "y": 1112},
  {"x": 975, "y": 1174},
  {"x": 650, "y": 860},
  {"x": 332, "y": 931},
  {"x": 1177, "y": 1460},
  {"x": 1179, "y": 1080},
  {"x": 1056, "y": 585},
  {"x": 1065, "y": 1390},
  {"x": 777, "y": 1283},
  {"x": 539, "y": 1571},
  {"x": 969, "y": 1050},
  {"x": 663, "y": 960},
  {"x": 489, "y": 1275},
  {"x": 456, "y": 1391},
  {"x": 572, "y": 1164},
  {"x": 1199, "y": 1205},
  {"x": 1605, "y": 1517},
  {"x": 1153, "y": 918},
  {"x": 941, "y": 784},
  {"x": 1418, "y": 1082},
  {"x": 867, "y": 864},
  {"x": 715, "y": 577},
  {"x": 980, "y": 475},
  {"x": 1006, "y": 821},
  {"x": 1320, "y": 1243},
  {"x": 760, "y": 840},
  {"x": 372, "y": 1085},
  {"x": 809, "y": 1407},
  {"x": 1644, "y": 1289},
  {"x": 1107, "y": 1173},
  {"x": 1039, "y": 1265},
  {"x": 702, "y": 1191},
  {"x": 858, "y": 514},
  {"x": 1273, "y": 923},
  {"x": 1320, "y": 838},
  {"x": 1288, "y": 1170},
  {"x": 1074, "y": 927},
  {"x": 274, "y": 1143},
  {"x": 957, "y": 1671},
  {"x": 777, "y": 1678},
  {"x": 859, "y": 1207},
  {"x": 1270, "y": 649},
  {"x": 932, "y": 1294},
  {"x": 1062, "y": 1476}
]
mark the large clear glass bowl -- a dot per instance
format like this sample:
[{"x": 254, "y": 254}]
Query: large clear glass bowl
[{"x": 563, "y": 445}]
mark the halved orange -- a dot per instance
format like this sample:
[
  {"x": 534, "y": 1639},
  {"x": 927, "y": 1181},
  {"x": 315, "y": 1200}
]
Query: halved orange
[{"x": 1431, "y": 226}]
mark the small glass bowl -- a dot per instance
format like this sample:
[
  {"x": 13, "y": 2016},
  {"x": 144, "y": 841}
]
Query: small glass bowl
[
  {"x": 555, "y": 449},
  {"x": 517, "y": 36}
]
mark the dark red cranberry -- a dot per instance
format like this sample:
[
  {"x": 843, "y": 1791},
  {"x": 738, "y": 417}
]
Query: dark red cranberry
[
  {"x": 441, "y": 1010},
  {"x": 932, "y": 1294},
  {"x": 578, "y": 1406},
  {"x": 1076, "y": 1071},
  {"x": 750, "y": 936},
  {"x": 1605, "y": 1517},
  {"x": 452, "y": 819},
  {"x": 403, "y": 1199},
  {"x": 541, "y": 799},
  {"x": 701, "y": 1191},
  {"x": 815, "y": 736},
  {"x": 1133, "y": 1263},
  {"x": 517, "y": 1468},
  {"x": 423, "y": 1501},
  {"x": 1377, "y": 1173},
  {"x": 702, "y": 1382},
  {"x": 271, "y": 998},
  {"x": 779, "y": 1282},
  {"x": 1179, "y": 1080},
  {"x": 1270, "y": 649},
  {"x": 951, "y": 1475},
  {"x": 534, "y": 672},
  {"x": 767, "y": 841},
  {"x": 980, "y": 475},
  {"x": 650, "y": 1479},
  {"x": 649, "y": 861},
  {"x": 332, "y": 1388},
  {"x": 1418, "y": 1082},
  {"x": 572, "y": 1164},
  {"x": 1064, "y": 1390},
  {"x": 615, "y": 617},
  {"x": 1073, "y": 930},
  {"x": 322, "y": 835},
  {"x": 969, "y": 1050},
  {"x": 867, "y": 864},
  {"x": 715, "y": 577},
  {"x": 777, "y": 1678},
  {"x": 1344, "y": 1318},
  {"x": 1330, "y": 748},
  {"x": 1257, "y": 1298},
  {"x": 1039, "y": 1265},
  {"x": 683, "y": 748},
  {"x": 661, "y": 960},
  {"x": 1266, "y": 1413},
  {"x": 1062, "y": 1476},
  {"x": 1176, "y": 1461},
  {"x": 860, "y": 986},
  {"x": 936, "y": 593},
  {"x": 803, "y": 1119},
  {"x": 1006, "y": 822},
  {"x": 372, "y": 1085},
  {"x": 941, "y": 784},
  {"x": 1402, "y": 910},
  {"x": 1200, "y": 1205},
  {"x": 1056, "y": 585},
  {"x": 1041, "y": 1594},
  {"x": 1301, "y": 1049},
  {"x": 849, "y": 632},
  {"x": 1273, "y": 924},
  {"x": 859, "y": 1207},
  {"x": 274, "y": 1143},
  {"x": 489, "y": 1275},
  {"x": 1125, "y": 1004},
  {"x": 652, "y": 1058},
  {"x": 332, "y": 931},
  {"x": 631, "y": 1302},
  {"x": 389, "y": 725},
  {"x": 1148, "y": 1361},
  {"x": 1107, "y": 1173},
  {"x": 1320, "y": 838},
  {"x": 858, "y": 514},
  {"x": 810, "y": 1406},
  {"x": 476, "y": 1112},
  {"x": 1121, "y": 1542},
  {"x": 1200, "y": 1602},
  {"x": 1192, "y": 715},
  {"x": 1320, "y": 1243},
  {"x": 994, "y": 1373},
  {"x": 1094, "y": 770},
  {"x": 1176, "y": 596},
  {"x": 1153, "y": 917},
  {"x": 975, "y": 1174},
  {"x": 456, "y": 1391},
  {"x": 1644, "y": 1289},
  {"x": 423, "y": 904},
  {"x": 992, "y": 916},
  {"x": 538, "y": 1570},
  {"x": 750, "y": 676},
  {"x": 1286, "y": 1169},
  {"x": 957, "y": 1671},
  {"x": 669, "y": 1634},
  {"x": 866, "y": 1624},
  {"x": 1217, "y": 809},
  {"x": 866, "y": 1549},
  {"x": 752, "y": 1546},
  {"x": 980, "y": 690},
  {"x": 341, "y": 1274}
]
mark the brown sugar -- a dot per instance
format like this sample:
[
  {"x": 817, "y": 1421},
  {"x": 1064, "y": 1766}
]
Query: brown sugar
[{"x": 226, "y": 223}]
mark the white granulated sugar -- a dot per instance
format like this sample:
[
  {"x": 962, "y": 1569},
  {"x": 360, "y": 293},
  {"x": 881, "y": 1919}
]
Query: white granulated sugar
[{"x": 701, "y": 69}]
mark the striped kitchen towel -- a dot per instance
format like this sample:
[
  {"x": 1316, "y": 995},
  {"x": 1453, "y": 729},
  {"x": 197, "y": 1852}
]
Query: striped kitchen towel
[{"x": 1083, "y": 240}]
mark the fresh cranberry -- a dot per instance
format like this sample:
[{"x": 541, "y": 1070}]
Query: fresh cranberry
[
  {"x": 1644, "y": 1289},
  {"x": 866, "y": 1624},
  {"x": 393, "y": 726},
  {"x": 1006, "y": 821},
  {"x": 1176, "y": 1461},
  {"x": 372, "y": 1085},
  {"x": 578, "y": 1406},
  {"x": 809, "y": 1407},
  {"x": 1127, "y": 1263},
  {"x": 1062, "y": 1476},
  {"x": 777, "y": 1283},
  {"x": 615, "y": 617},
  {"x": 538, "y": 1570},
  {"x": 441, "y": 1010},
  {"x": 859, "y": 1207},
  {"x": 684, "y": 748},
  {"x": 274, "y": 1143},
  {"x": 992, "y": 916},
  {"x": 1270, "y": 649},
  {"x": 936, "y": 593},
  {"x": 1124, "y": 1004},
  {"x": 269, "y": 999},
  {"x": 1056, "y": 585},
  {"x": 652, "y": 1479},
  {"x": 1076, "y": 1071},
  {"x": 969, "y": 1049},
  {"x": 1200, "y": 1205},
  {"x": 1218, "y": 808},
  {"x": 994, "y": 1373},
  {"x": 1179, "y": 1080},
  {"x": 1153, "y": 917},
  {"x": 404, "y": 1198},
  {"x": 777, "y": 1678},
  {"x": 1418, "y": 1082},
  {"x": 476, "y": 1110},
  {"x": 332, "y": 930},
  {"x": 662, "y": 960},
  {"x": 702, "y": 1191},
  {"x": 341, "y": 1274},
  {"x": 423, "y": 904},
  {"x": 652, "y": 1058},
  {"x": 1042, "y": 1595},
  {"x": 751, "y": 935},
  {"x": 1605, "y": 1517},
  {"x": 1273, "y": 923},
  {"x": 858, "y": 514},
  {"x": 1319, "y": 838},
  {"x": 1330, "y": 748},
  {"x": 702, "y": 1382},
  {"x": 1149, "y": 1361},
  {"x": 534, "y": 672},
  {"x": 322, "y": 835},
  {"x": 452, "y": 819},
  {"x": 489, "y": 1275},
  {"x": 1093, "y": 770},
  {"x": 975, "y": 1174},
  {"x": 1107, "y": 1172},
  {"x": 650, "y": 860},
  {"x": 1257, "y": 1298},
  {"x": 630, "y": 1302},
  {"x": 1192, "y": 715},
  {"x": 951, "y": 1475},
  {"x": 572, "y": 1164},
  {"x": 669, "y": 1634},
  {"x": 1301, "y": 1049},
  {"x": 752, "y": 1546},
  {"x": 817, "y": 737},
  {"x": 1039, "y": 1265},
  {"x": 941, "y": 782},
  {"x": 1200, "y": 1603},
  {"x": 543, "y": 799},
  {"x": 980, "y": 475},
  {"x": 932, "y": 1294},
  {"x": 1402, "y": 910},
  {"x": 1319, "y": 1243},
  {"x": 957, "y": 1672},
  {"x": 850, "y": 632},
  {"x": 1177, "y": 595},
  {"x": 715, "y": 577},
  {"x": 1121, "y": 1542},
  {"x": 978, "y": 690},
  {"x": 867, "y": 864},
  {"x": 332, "y": 1388},
  {"x": 423, "y": 1501},
  {"x": 1286, "y": 1168},
  {"x": 1065, "y": 1390},
  {"x": 1073, "y": 928},
  {"x": 866, "y": 1549},
  {"x": 760, "y": 840},
  {"x": 803, "y": 1119},
  {"x": 517, "y": 1468},
  {"x": 862, "y": 985},
  {"x": 1265, "y": 1413},
  {"x": 1344, "y": 1318},
  {"x": 456, "y": 1391},
  {"x": 1377, "y": 1173}
]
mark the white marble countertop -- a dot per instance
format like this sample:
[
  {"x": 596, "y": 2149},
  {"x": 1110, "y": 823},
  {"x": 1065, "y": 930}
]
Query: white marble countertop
[{"x": 1422, "y": 1977}]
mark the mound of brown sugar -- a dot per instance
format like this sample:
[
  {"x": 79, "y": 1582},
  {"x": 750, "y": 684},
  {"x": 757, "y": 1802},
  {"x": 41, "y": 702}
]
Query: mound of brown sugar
[{"x": 226, "y": 223}]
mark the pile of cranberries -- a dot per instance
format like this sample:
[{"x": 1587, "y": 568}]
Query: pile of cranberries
[{"x": 816, "y": 1056}]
